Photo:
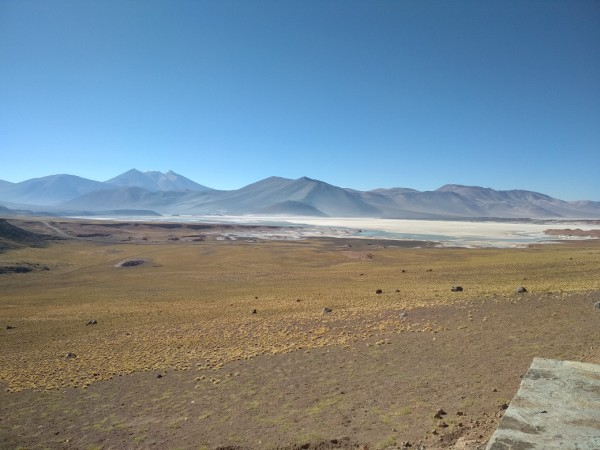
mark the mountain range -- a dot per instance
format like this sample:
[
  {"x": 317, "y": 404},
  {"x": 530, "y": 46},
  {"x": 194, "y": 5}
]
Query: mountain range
[{"x": 171, "y": 193}]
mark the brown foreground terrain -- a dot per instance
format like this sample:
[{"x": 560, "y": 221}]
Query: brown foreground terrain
[{"x": 202, "y": 341}]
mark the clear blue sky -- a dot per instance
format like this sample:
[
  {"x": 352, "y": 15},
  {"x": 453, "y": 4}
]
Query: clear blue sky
[{"x": 362, "y": 94}]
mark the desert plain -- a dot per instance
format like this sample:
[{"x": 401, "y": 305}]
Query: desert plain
[{"x": 165, "y": 335}]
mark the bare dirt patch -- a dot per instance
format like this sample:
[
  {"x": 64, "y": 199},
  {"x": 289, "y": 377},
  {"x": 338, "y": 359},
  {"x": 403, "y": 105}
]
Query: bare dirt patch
[
  {"x": 380, "y": 391},
  {"x": 573, "y": 232}
]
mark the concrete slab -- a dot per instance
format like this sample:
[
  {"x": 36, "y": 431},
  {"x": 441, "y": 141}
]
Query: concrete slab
[{"x": 556, "y": 406}]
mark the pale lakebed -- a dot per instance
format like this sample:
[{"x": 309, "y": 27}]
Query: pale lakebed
[{"x": 446, "y": 233}]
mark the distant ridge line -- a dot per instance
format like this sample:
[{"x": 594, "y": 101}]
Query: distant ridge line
[{"x": 172, "y": 193}]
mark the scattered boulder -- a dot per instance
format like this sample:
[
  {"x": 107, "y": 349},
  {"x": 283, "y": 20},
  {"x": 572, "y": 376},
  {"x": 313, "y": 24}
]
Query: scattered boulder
[
  {"x": 10, "y": 327},
  {"x": 597, "y": 305},
  {"x": 520, "y": 290},
  {"x": 131, "y": 263},
  {"x": 440, "y": 413},
  {"x": 456, "y": 289},
  {"x": 379, "y": 291},
  {"x": 92, "y": 322},
  {"x": 70, "y": 355},
  {"x": 327, "y": 310}
]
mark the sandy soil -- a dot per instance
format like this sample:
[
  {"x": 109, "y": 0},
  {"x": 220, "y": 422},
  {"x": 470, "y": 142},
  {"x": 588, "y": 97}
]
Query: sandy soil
[{"x": 379, "y": 393}]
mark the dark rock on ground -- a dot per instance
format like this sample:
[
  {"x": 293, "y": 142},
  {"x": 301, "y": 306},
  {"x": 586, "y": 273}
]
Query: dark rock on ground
[
  {"x": 520, "y": 290},
  {"x": 456, "y": 289},
  {"x": 379, "y": 291},
  {"x": 132, "y": 263},
  {"x": 439, "y": 414}
]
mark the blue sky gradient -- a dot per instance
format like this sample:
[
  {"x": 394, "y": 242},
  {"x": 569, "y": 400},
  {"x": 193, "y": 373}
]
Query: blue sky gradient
[{"x": 501, "y": 94}]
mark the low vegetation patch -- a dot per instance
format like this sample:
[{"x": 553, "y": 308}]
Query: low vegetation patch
[
  {"x": 22, "y": 268},
  {"x": 192, "y": 307}
]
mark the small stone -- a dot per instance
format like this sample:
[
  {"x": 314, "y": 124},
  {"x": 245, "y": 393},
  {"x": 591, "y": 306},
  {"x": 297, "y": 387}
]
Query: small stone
[
  {"x": 504, "y": 406},
  {"x": 456, "y": 289},
  {"x": 92, "y": 322},
  {"x": 158, "y": 375},
  {"x": 439, "y": 414},
  {"x": 379, "y": 291},
  {"x": 596, "y": 305},
  {"x": 442, "y": 424},
  {"x": 520, "y": 290},
  {"x": 460, "y": 413},
  {"x": 70, "y": 355},
  {"x": 10, "y": 327},
  {"x": 327, "y": 310},
  {"x": 254, "y": 311}
]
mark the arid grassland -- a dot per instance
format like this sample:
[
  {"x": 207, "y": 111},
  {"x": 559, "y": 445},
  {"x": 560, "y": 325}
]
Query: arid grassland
[{"x": 248, "y": 357}]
